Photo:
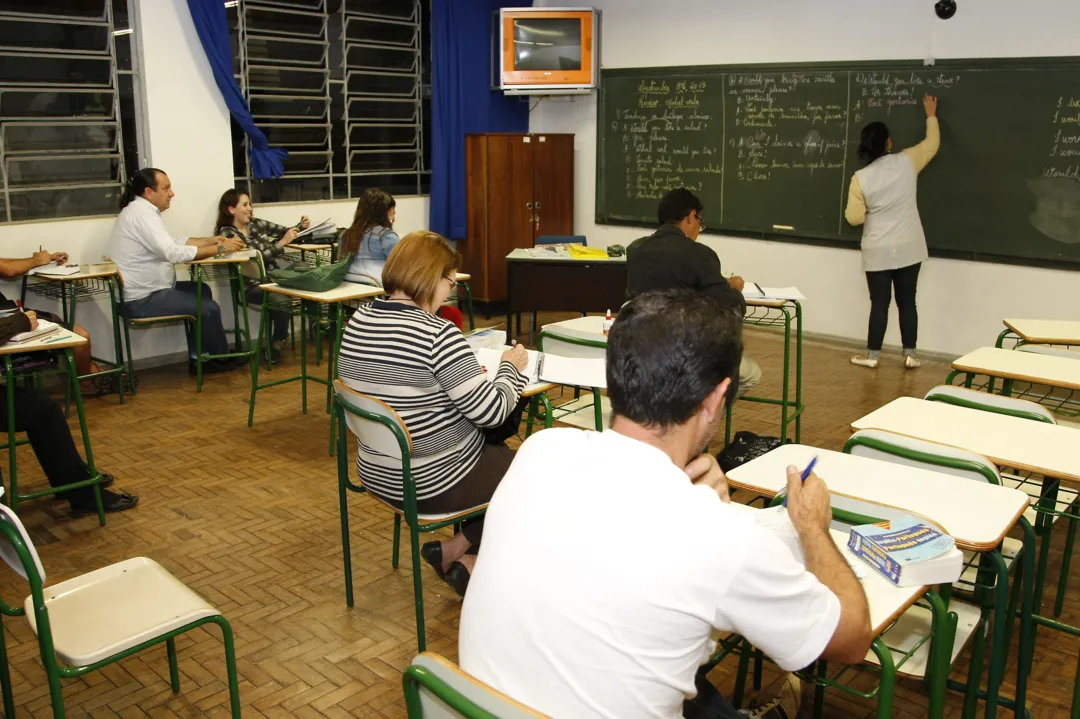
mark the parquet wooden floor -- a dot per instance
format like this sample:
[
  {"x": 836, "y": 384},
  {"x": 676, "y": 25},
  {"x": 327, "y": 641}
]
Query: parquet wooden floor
[{"x": 249, "y": 518}]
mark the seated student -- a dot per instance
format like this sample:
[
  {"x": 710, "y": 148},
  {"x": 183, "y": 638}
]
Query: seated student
[
  {"x": 581, "y": 623},
  {"x": 145, "y": 253},
  {"x": 371, "y": 238},
  {"x": 397, "y": 350},
  {"x": 671, "y": 259},
  {"x": 236, "y": 218},
  {"x": 84, "y": 363},
  {"x": 41, "y": 417}
]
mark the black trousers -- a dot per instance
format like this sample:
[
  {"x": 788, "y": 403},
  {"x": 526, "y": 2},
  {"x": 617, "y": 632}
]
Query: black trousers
[
  {"x": 41, "y": 417},
  {"x": 881, "y": 284},
  {"x": 709, "y": 703}
]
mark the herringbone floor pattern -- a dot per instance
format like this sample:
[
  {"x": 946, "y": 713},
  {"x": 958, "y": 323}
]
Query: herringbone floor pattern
[{"x": 248, "y": 517}]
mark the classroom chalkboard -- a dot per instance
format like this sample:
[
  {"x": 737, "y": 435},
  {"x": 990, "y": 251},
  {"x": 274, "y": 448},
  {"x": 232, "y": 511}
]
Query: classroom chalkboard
[{"x": 770, "y": 149}]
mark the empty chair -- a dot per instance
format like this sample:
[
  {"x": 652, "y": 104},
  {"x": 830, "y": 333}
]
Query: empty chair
[
  {"x": 103, "y": 616},
  {"x": 436, "y": 688},
  {"x": 971, "y": 399}
]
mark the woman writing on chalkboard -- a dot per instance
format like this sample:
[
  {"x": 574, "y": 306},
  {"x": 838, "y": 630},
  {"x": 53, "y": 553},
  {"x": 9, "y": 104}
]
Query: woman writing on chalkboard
[{"x": 882, "y": 195}]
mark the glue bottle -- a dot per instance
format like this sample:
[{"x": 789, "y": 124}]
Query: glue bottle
[{"x": 608, "y": 321}]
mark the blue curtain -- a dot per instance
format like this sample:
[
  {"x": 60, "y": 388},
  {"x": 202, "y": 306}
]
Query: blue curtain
[
  {"x": 212, "y": 26},
  {"x": 462, "y": 101}
]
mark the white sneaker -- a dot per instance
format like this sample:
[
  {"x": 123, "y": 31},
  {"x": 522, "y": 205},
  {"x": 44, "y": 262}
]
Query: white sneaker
[
  {"x": 786, "y": 702},
  {"x": 911, "y": 362},
  {"x": 864, "y": 362}
]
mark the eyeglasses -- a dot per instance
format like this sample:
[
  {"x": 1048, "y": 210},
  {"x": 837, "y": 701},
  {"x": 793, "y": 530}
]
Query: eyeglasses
[
  {"x": 451, "y": 280},
  {"x": 701, "y": 223}
]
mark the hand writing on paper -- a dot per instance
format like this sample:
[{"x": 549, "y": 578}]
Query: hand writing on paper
[
  {"x": 737, "y": 283},
  {"x": 32, "y": 316},
  {"x": 808, "y": 502},
  {"x": 516, "y": 356}
]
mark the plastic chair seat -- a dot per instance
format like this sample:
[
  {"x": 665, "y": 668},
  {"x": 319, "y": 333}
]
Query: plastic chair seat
[
  {"x": 105, "y": 612},
  {"x": 429, "y": 518},
  {"x": 914, "y": 625},
  {"x": 162, "y": 318}
]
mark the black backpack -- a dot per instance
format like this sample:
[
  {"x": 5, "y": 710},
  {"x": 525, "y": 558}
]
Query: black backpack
[{"x": 744, "y": 447}]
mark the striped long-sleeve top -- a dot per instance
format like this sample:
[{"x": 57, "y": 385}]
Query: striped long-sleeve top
[{"x": 424, "y": 369}]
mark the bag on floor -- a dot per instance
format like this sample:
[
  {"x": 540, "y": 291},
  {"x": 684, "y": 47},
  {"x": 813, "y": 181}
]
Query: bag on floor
[
  {"x": 313, "y": 279},
  {"x": 744, "y": 447}
]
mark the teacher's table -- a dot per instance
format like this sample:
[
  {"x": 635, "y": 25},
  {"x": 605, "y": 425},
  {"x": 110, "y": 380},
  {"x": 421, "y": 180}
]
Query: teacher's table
[
  {"x": 560, "y": 283},
  {"x": 229, "y": 266},
  {"x": 977, "y": 515},
  {"x": 1023, "y": 373},
  {"x": 345, "y": 292},
  {"x": 62, "y": 340},
  {"x": 90, "y": 281},
  {"x": 1049, "y": 450}
]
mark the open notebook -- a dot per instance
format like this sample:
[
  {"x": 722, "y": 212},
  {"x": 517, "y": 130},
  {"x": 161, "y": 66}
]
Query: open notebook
[
  {"x": 44, "y": 329},
  {"x": 544, "y": 367},
  {"x": 55, "y": 270},
  {"x": 754, "y": 291}
]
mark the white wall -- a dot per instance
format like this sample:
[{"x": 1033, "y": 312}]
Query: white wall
[
  {"x": 961, "y": 303},
  {"x": 190, "y": 139}
]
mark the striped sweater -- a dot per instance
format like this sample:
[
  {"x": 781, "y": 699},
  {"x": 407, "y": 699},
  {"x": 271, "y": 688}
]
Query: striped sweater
[{"x": 424, "y": 369}]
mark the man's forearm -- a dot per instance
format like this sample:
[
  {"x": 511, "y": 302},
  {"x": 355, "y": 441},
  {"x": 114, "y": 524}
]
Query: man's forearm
[
  {"x": 16, "y": 268},
  {"x": 201, "y": 241},
  {"x": 853, "y": 634}
]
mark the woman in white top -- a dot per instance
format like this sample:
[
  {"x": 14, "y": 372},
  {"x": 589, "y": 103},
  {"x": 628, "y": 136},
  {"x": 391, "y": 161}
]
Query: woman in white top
[{"x": 882, "y": 196}]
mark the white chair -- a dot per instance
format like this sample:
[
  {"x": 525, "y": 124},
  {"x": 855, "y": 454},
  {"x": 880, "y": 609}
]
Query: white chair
[
  {"x": 436, "y": 688},
  {"x": 102, "y": 616},
  {"x": 971, "y": 399}
]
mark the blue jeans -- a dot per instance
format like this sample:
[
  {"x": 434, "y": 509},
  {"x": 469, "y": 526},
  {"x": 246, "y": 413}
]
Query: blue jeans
[{"x": 182, "y": 299}]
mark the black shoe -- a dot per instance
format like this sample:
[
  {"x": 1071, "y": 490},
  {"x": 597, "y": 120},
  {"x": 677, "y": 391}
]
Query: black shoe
[
  {"x": 106, "y": 480},
  {"x": 432, "y": 554},
  {"x": 457, "y": 576},
  {"x": 111, "y": 501},
  {"x": 275, "y": 355}
]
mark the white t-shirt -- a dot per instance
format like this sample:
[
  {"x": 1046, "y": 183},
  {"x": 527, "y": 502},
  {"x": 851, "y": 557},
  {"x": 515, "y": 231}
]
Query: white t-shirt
[{"x": 603, "y": 572}]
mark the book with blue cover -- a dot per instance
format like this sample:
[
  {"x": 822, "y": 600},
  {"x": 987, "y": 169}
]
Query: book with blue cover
[{"x": 908, "y": 552}]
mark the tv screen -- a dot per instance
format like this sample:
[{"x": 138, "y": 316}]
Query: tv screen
[{"x": 547, "y": 44}]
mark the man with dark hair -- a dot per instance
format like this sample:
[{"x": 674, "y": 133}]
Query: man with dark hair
[
  {"x": 145, "y": 252},
  {"x": 579, "y": 622},
  {"x": 672, "y": 259}
]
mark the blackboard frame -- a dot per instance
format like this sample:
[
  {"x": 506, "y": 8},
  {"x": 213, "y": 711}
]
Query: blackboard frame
[{"x": 895, "y": 65}]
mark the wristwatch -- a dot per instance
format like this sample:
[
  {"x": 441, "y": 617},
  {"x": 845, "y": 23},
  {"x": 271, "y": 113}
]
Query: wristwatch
[{"x": 220, "y": 249}]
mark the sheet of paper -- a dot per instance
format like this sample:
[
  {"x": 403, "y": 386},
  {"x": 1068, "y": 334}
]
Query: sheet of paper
[
  {"x": 326, "y": 224},
  {"x": 575, "y": 371},
  {"x": 54, "y": 269},
  {"x": 487, "y": 338},
  {"x": 45, "y": 327},
  {"x": 756, "y": 291}
]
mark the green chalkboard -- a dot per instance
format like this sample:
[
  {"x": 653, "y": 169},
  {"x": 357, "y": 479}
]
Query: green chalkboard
[{"x": 771, "y": 149}]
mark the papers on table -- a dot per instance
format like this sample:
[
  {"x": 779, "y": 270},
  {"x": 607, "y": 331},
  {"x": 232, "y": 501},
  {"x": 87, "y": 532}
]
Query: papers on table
[
  {"x": 544, "y": 367},
  {"x": 487, "y": 338},
  {"x": 315, "y": 230},
  {"x": 44, "y": 329},
  {"x": 55, "y": 270},
  {"x": 754, "y": 291},
  {"x": 249, "y": 254}
]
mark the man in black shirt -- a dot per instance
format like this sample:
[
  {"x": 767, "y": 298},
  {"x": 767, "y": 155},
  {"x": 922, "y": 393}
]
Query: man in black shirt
[{"x": 671, "y": 258}]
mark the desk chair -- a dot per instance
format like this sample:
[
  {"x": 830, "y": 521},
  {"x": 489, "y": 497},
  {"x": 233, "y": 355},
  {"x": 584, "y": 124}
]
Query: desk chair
[
  {"x": 436, "y": 688},
  {"x": 977, "y": 579},
  {"x": 102, "y": 616},
  {"x": 905, "y": 648},
  {"x": 558, "y": 344},
  {"x": 140, "y": 322},
  {"x": 1052, "y": 502},
  {"x": 379, "y": 428},
  {"x": 562, "y": 240}
]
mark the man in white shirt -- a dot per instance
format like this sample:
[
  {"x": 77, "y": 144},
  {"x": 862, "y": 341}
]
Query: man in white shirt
[
  {"x": 145, "y": 253},
  {"x": 586, "y": 621}
]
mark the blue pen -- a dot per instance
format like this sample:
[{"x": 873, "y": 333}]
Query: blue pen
[{"x": 805, "y": 473}]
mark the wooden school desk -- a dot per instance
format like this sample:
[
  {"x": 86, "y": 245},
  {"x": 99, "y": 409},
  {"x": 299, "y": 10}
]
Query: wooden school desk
[
  {"x": 231, "y": 266},
  {"x": 320, "y": 250},
  {"x": 1049, "y": 450},
  {"x": 62, "y": 340},
  {"x": 1041, "y": 332},
  {"x": 1022, "y": 373},
  {"x": 90, "y": 281},
  {"x": 345, "y": 292},
  {"x": 560, "y": 283},
  {"x": 978, "y": 515}
]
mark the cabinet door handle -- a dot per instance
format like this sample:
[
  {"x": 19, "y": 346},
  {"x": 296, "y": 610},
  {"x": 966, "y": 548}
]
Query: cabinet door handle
[{"x": 537, "y": 219}]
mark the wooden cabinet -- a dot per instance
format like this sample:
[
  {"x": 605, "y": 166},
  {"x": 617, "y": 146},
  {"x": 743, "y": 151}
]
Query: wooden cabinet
[{"x": 520, "y": 186}]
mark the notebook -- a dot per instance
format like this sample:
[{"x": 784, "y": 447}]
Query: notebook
[
  {"x": 326, "y": 224},
  {"x": 754, "y": 291},
  {"x": 54, "y": 269},
  {"x": 543, "y": 367},
  {"x": 44, "y": 329}
]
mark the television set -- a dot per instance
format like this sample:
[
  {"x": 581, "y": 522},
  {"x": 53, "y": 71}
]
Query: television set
[{"x": 548, "y": 51}]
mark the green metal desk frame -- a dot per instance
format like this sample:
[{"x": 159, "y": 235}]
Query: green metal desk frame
[
  {"x": 13, "y": 497},
  {"x": 791, "y": 411},
  {"x": 58, "y": 288},
  {"x": 242, "y": 337}
]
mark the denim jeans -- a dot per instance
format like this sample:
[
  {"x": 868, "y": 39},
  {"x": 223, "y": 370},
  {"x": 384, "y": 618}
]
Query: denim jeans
[{"x": 182, "y": 299}]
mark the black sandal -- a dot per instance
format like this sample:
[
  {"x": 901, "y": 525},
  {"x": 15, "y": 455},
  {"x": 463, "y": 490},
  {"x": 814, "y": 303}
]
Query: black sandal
[{"x": 432, "y": 554}]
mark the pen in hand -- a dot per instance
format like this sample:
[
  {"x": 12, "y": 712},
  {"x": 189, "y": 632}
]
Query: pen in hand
[{"x": 805, "y": 473}]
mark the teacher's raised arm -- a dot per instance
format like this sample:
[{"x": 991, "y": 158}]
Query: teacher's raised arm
[{"x": 882, "y": 197}]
